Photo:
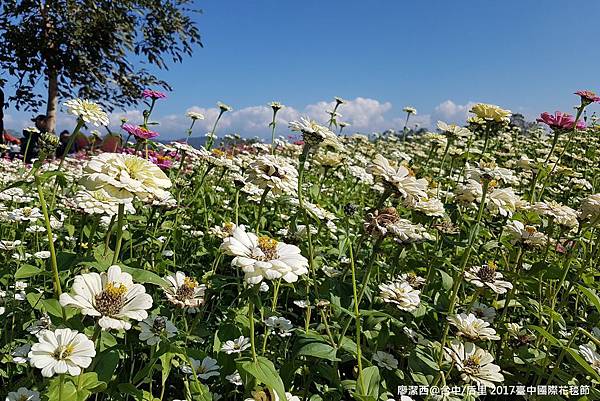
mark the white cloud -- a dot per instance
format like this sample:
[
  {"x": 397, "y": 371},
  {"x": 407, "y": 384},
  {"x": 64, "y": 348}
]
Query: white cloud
[
  {"x": 450, "y": 112},
  {"x": 364, "y": 114}
]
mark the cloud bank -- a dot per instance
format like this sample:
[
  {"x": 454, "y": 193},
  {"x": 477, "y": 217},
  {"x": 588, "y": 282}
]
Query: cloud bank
[{"x": 363, "y": 114}]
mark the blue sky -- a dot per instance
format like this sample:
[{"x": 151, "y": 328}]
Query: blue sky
[{"x": 438, "y": 56}]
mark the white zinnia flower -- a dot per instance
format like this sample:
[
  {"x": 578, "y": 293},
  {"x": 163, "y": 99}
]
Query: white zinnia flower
[
  {"x": 528, "y": 235},
  {"x": 590, "y": 207},
  {"x": 62, "y": 351},
  {"x": 155, "y": 328},
  {"x": 116, "y": 172},
  {"x": 483, "y": 312},
  {"x": 235, "y": 378},
  {"x": 400, "y": 178},
  {"x": 275, "y": 173},
  {"x": 264, "y": 258},
  {"x": 401, "y": 294},
  {"x": 195, "y": 116},
  {"x": 486, "y": 275},
  {"x": 104, "y": 201},
  {"x": 23, "y": 394},
  {"x": 184, "y": 291},
  {"x": 315, "y": 134},
  {"x": 470, "y": 191},
  {"x": 590, "y": 356},
  {"x": 474, "y": 363},
  {"x": 453, "y": 130},
  {"x": 430, "y": 207},
  {"x": 236, "y": 346},
  {"x": 112, "y": 296},
  {"x": 279, "y": 325},
  {"x": 88, "y": 111},
  {"x": 473, "y": 328},
  {"x": 502, "y": 201},
  {"x": 561, "y": 214},
  {"x": 204, "y": 370}
]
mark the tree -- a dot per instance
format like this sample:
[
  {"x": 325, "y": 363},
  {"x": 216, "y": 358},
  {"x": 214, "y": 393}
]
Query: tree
[
  {"x": 89, "y": 48},
  {"x": 1, "y": 116}
]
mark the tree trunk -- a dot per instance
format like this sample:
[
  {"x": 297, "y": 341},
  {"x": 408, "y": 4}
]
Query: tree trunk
[
  {"x": 1, "y": 116},
  {"x": 52, "y": 101}
]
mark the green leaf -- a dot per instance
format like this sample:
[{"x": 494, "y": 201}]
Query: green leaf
[
  {"x": 138, "y": 395},
  {"x": 545, "y": 334},
  {"x": 369, "y": 385},
  {"x": 591, "y": 296},
  {"x": 447, "y": 281},
  {"x": 65, "y": 392},
  {"x": 318, "y": 350},
  {"x": 144, "y": 276},
  {"x": 106, "y": 364},
  {"x": 582, "y": 362},
  {"x": 26, "y": 271},
  {"x": 264, "y": 372},
  {"x": 53, "y": 307}
]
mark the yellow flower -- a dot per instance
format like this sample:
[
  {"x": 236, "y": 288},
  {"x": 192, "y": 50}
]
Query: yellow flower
[{"x": 491, "y": 112}]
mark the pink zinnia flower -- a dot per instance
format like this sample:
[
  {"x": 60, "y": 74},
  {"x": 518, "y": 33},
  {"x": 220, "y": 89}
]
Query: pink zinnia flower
[
  {"x": 139, "y": 132},
  {"x": 588, "y": 97},
  {"x": 560, "y": 121},
  {"x": 152, "y": 94}
]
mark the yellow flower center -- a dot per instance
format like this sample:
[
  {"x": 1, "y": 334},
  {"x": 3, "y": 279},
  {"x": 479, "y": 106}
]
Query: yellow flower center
[
  {"x": 187, "y": 290},
  {"x": 268, "y": 246},
  {"x": 110, "y": 301},
  {"x": 63, "y": 352},
  {"x": 487, "y": 273},
  {"x": 472, "y": 363}
]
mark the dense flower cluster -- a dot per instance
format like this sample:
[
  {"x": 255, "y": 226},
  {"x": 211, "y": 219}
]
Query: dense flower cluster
[{"x": 342, "y": 266}]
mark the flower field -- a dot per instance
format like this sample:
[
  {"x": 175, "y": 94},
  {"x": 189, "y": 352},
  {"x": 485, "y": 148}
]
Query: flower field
[{"x": 333, "y": 266}]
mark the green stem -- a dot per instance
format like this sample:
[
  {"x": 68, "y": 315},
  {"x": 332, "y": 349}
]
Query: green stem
[
  {"x": 120, "y": 219},
  {"x": 251, "y": 319},
  {"x": 458, "y": 277},
  {"x": 53, "y": 262},
  {"x": 260, "y": 208}
]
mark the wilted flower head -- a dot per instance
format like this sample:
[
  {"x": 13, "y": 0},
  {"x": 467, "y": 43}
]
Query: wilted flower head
[{"x": 88, "y": 111}]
